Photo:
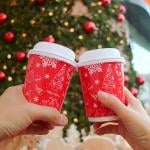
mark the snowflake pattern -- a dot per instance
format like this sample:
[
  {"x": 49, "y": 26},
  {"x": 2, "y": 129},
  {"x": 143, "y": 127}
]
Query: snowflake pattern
[
  {"x": 97, "y": 82},
  {"x": 47, "y": 76},
  {"x": 52, "y": 62},
  {"x": 94, "y": 68},
  {"x": 36, "y": 99},
  {"x": 95, "y": 106},
  {"x": 38, "y": 90}
]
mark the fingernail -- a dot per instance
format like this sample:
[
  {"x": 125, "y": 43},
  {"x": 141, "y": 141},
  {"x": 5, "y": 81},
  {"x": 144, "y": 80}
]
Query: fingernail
[{"x": 63, "y": 120}]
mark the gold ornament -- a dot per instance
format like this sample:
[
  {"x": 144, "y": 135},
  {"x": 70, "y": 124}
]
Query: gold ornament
[
  {"x": 24, "y": 67},
  {"x": 32, "y": 21},
  {"x": 66, "y": 24},
  {"x": 9, "y": 78},
  {"x": 24, "y": 35},
  {"x": 65, "y": 112},
  {"x": 9, "y": 56},
  {"x": 5, "y": 67},
  {"x": 12, "y": 21},
  {"x": 72, "y": 30},
  {"x": 75, "y": 120},
  {"x": 50, "y": 13},
  {"x": 80, "y": 37}
]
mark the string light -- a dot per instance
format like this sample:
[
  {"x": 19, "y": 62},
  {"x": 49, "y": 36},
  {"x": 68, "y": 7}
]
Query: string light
[
  {"x": 66, "y": 23},
  {"x": 12, "y": 21},
  {"x": 32, "y": 21},
  {"x": 67, "y": 3},
  {"x": 99, "y": 3},
  {"x": 99, "y": 11},
  {"x": 13, "y": 71},
  {"x": 75, "y": 120},
  {"x": 43, "y": 8},
  {"x": 65, "y": 9},
  {"x": 24, "y": 35},
  {"x": 5, "y": 67},
  {"x": 65, "y": 112},
  {"x": 99, "y": 46},
  {"x": 80, "y": 37},
  {"x": 50, "y": 13},
  {"x": 9, "y": 56},
  {"x": 122, "y": 42},
  {"x": 9, "y": 78},
  {"x": 72, "y": 30},
  {"x": 24, "y": 67},
  {"x": 113, "y": 10},
  {"x": 93, "y": 4},
  {"x": 29, "y": 45},
  {"x": 108, "y": 38},
  {"x": 116, "y": 6}
]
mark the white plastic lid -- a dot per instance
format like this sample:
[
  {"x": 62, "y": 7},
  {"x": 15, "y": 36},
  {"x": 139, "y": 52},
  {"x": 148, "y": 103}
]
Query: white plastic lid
[
  {"x": 53, "y": 49},
  {"x": 100, "y": 55}
]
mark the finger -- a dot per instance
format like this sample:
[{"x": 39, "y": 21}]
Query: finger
[
  {"x": 111, "y": 129},
  {"x": 131, "y": 100},
  {"x": 38, "y": 130},
  {"x": 46, "y": 114},
  {"x": 113, "y": 103}
]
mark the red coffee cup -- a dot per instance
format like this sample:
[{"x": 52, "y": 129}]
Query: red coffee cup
[
  {"x": 101, "y": 69},
  {"x": 49, "y": 71}
]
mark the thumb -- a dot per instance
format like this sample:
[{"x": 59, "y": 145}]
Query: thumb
[{"x": 113, "y": 103}]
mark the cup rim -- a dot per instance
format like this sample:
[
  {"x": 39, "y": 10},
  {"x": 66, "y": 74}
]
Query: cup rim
[
  {"x": 96, "y": 61},
  {"x": 36, "y": 52}
]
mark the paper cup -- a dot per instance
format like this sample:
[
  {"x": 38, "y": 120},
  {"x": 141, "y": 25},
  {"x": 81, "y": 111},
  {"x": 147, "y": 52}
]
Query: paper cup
[
  {"x": 101, "y": 69},
  {"x": 49, "y": 71}
]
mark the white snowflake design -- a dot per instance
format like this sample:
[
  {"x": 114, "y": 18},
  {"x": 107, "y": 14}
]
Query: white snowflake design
[
  {"x": 52, "y": 62},
  {"x": 94, "y": 68},
  {"x": 47, "y": 76},
  {"x": 95, "y": 106},
  {"x": 97, "y": 82},
  {"x": 35, "y": 99}
]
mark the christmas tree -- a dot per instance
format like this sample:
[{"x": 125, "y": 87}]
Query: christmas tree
[{"x": 78, "y": 24}]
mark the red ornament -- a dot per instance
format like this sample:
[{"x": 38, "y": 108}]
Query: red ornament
[
  {"x": 3, "y": 17},
  {"x": 140, "y": 80},
  {"x": 40, "y": 2},
  {"x": 134, "y": 91},
  {"x": 122, "y": 9},
  {"x": 89, "y": 27},
  {"x": 2, "y": 76},
  {"x": 121, "y": 18},
  {"x": 20, "y": 56},
  {"x": 126, "y": 79},
  {"x": 9, "y": 36},
  {"x": 106, "y": 3},
  {"x": 50, "y": 39}
]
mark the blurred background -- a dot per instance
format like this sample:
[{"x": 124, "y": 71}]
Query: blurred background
[{"x": 80, "y": 25}]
